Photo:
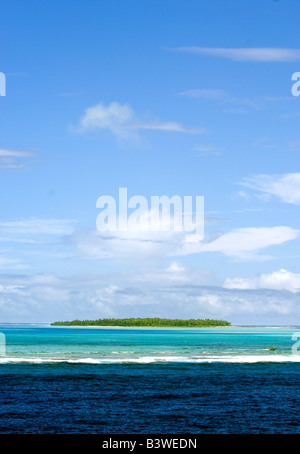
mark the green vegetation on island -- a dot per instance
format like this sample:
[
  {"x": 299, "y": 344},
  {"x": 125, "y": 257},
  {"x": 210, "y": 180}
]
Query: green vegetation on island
[{"x": 154, "y": 322}]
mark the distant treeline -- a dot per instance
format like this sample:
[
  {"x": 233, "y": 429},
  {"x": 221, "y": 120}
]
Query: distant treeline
[{"x": 155, "y": 322}]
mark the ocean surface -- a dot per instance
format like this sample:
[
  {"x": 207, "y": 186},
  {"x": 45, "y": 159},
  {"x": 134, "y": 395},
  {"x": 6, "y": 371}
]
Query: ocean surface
[{"x": 149, "y": 380}]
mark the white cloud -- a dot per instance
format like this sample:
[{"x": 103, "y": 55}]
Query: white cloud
[
  {"x": 286, "y": 187},
  {"x": 113, "y": 116},
  {"x": 10, "y": 152},
  {"x": 248, "y": 306},
  {"x": 121, "y": 120},
  {"x": 175, "y": 291},
  {"x": 131, "y": 244},
  {"x": 267, "y": 54},
  {"x": 14, "y": 160},
  {"x": 278, "y": 280},
  {"x": 244, "y": 243}
]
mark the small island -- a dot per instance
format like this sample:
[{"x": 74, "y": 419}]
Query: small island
[{"x": 152, "y": 322}]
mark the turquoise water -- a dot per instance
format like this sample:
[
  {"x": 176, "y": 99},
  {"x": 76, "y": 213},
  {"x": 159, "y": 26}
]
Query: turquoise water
[
  {"x": 149, "y": 381},
  {"x": 34, "y": 343}
]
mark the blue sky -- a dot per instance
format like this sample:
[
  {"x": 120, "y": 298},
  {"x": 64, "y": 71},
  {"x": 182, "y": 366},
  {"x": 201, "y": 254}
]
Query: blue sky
[{"x": 163, "y": 98}]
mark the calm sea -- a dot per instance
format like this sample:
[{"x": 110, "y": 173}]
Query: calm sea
[{"x": 149, "y": 380}]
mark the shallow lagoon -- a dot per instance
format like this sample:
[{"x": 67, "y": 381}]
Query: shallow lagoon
[{"x": 132, "y": 380}]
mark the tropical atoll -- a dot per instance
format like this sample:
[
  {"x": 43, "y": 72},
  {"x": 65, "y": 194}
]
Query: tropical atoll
[{"x": 155, "y": 322}]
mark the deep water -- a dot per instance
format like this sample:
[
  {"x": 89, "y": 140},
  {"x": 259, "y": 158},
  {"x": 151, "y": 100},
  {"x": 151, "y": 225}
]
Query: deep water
[{"x": 156, "y": 398}]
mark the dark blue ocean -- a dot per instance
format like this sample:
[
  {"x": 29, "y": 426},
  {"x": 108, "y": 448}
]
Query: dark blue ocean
[{"x": 58, "y": 380}]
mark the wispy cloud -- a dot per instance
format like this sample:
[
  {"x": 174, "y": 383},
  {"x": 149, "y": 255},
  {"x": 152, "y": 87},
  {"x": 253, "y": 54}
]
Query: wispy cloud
[
  {"x": 7, "y": 263},
  {"x": 258, "y": 54},
  {"x": 14, "y": 159},
  {"x": 206, "y": 93},
  {"x": 37, "y": 226},
  {"x": 294, "y": 146},
  {"x": 33, "y": 229},
  {"x": 120, "y": 120},
  {"x": 265, "y": 143},
  {"x": 239, "y": 102},
  {"x": 286, "y": 187},
  {"x": 206, "y": 150}
]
